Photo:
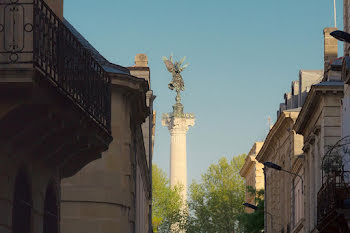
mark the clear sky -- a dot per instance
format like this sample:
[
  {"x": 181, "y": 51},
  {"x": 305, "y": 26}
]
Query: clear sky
[{"x": 243, "y": 56}]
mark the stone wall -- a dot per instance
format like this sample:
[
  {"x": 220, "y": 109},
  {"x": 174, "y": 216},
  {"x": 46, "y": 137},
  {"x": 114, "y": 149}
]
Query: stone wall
[
  {"x": 346, "y": 21},
  {"x": 113, "y": 194},
  {"x": 100, "y": 198},
  {"x": 278, "y": 148},
  {"x": 252, "y": 172},
  {"x": 320, "y": 124},
  {"x": 38, "y": 176}
]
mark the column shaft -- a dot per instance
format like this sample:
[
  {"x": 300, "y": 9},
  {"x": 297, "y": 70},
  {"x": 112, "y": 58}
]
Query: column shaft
[{"x": 178, "y": 163}]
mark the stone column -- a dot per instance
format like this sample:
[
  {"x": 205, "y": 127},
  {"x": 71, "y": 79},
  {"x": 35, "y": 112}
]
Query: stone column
[{"x": 178, "y": 126}]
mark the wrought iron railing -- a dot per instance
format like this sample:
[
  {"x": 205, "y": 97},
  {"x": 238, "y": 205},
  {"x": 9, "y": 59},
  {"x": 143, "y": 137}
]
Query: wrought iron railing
[
  {"x": 331, "y": 196},
  {"x": 31, "y": 35}
]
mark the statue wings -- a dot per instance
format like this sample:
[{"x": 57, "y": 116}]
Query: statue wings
[{"x": 174, "y": 67}]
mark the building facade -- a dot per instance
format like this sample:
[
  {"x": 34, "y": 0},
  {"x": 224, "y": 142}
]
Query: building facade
[
  {"x": 252, "y": 172},
  {"x": 345, "y": 73},
  {"x": 54, "y": 114},
  {"x": 319, "y": 122},
  {"x": 284, "y": 192},
  {"x": 61, "y": 102},
  {"x": 306, "y": 142},
  {"x": 280, "y": 146},
  {"x": 113, "y": 194}
]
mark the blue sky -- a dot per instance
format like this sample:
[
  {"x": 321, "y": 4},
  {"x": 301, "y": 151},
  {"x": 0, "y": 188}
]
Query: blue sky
[{"x": 243, "y": 56}]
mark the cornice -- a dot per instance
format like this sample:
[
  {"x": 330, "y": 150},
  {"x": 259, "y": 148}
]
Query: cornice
[
  {"x": 135, "y": 89},
  {"x": 312, "y": 101},
  {"x": 143, "y": 68},
  {"x": 249, "y": 161},
  {"x": 129, "y": 82},
  {"x": 276, "y": 130},
  {"x": 297, "y": 165}
]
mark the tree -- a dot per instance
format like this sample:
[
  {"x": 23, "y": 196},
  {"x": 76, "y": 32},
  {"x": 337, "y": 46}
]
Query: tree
[
  {"x": 254, "y": 222},
  {"x": 216, "y": 202},
  {"x": 167, "y": 203}
]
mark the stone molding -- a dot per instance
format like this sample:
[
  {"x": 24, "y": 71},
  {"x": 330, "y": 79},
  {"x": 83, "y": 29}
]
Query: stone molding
[
  {"x": 136, "y": 90},
  {"x": 283, "y": 123},
  {"x": 178, "y": 125},
  {"x": 249, "y": 162},
  {"x": 312, "y": 101}
]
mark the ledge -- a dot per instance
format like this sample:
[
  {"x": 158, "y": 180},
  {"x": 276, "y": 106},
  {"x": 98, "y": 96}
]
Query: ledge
[{"x": 312, "y": 100}]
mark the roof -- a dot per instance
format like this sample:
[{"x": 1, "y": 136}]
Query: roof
[
  {"x": 106, "y": 65},
  {"x": 293, "y": 110},
  {"x": 330, "y": 83}
]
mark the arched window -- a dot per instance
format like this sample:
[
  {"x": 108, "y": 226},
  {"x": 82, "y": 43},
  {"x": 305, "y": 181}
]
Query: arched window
[
  {"x": 51, "y": 210},
  {"x": 22, "y": 204}
]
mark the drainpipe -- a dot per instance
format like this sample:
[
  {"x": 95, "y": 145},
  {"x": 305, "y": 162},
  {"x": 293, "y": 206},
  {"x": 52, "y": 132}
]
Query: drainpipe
[
  {"x": 135, "y": 177},
  {"x": 150, "y": 143}
]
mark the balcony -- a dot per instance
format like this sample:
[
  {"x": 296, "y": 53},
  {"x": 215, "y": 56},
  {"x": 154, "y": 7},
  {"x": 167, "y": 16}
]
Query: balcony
[
  {"x": 333, "y": 203},
  {"x": 32, "y": 36},
  {"x": 55, "y": 95}
]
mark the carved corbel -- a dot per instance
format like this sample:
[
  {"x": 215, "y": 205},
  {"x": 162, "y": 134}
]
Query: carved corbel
[
  {"x": 311, "y": 139},
  {"x": 306, "y": 147},
  {"x": 317, "y": 129}
]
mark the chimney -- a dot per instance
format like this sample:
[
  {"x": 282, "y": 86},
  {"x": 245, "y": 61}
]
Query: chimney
[
  {"x": 330, "y": 47},
  {"x": 56, "y": 6},
  {"x": 141, "y": 60},
  {"x": 140, "y": 69}
]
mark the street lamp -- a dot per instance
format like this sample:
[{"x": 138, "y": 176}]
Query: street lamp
[
  {"x": 341, "y": 35},
  {"x": 272, "y": 165},
  {"x": 279, "y": 168},
  {"x": 254, "y": 207}
]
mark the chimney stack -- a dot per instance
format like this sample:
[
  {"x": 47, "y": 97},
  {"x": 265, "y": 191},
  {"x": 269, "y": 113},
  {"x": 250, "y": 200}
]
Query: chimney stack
[
  {"x": 141, "y": 60},
  {"x": 330, "y": 47}
]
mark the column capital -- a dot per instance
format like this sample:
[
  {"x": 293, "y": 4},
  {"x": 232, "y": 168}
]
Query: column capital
[{"x": 178, "y": 124}]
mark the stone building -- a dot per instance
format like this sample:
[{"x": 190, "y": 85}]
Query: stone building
[
  {"x": 280, "y": 146},
  {"x": 284, "y": 200},
  {"x": 319, "y": 123},
  {"x": 252, "y": 172},
  {"x": 324, "y": 122},
  {"x": 345, "y": 74},
  {"x": 113, "y": 194},
  {"x": 299, "y": 89},
  {"x": 61, "y": 102},
  {"x": 54, "y": 112}
]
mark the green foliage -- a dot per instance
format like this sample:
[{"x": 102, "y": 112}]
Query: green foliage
[
  {"x": 167, "y": 204},
  {"x": 254, "y": 222},
  {"x": 216, "y": 202}
]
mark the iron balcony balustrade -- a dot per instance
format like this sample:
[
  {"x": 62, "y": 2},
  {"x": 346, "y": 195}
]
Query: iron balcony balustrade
[
  {"x": 334, "y": 194},
  {"x": 32, "y": 36}
]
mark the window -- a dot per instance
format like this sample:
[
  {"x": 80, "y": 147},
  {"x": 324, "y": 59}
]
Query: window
[
  {"x": 22, "y": 204},
  {"x": 50, "y": 210}
]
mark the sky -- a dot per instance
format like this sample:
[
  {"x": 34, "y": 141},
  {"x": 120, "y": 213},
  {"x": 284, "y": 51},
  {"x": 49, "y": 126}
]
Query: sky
[{"x": 243, "y": 56}]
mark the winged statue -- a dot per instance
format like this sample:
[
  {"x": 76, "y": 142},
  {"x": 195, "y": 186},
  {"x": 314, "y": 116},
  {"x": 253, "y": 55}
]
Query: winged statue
[{"x": 175, "y": 68}]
